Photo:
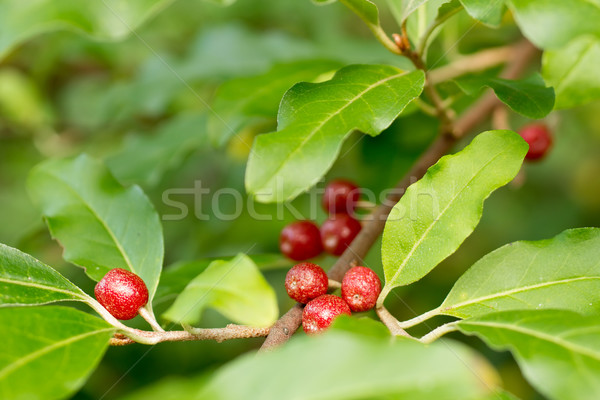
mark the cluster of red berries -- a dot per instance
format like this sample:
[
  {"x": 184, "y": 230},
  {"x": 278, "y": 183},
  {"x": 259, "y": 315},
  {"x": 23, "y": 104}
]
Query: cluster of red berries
[
  {"x": 303, "y": 240},
  {"x": 307, "y": 283},
  {"x": 538, "y": 138}
]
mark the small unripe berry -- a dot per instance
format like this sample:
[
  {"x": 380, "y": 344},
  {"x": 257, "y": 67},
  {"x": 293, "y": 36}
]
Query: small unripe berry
[
  {"x": 122, "y": 293},
  {"x": 319, "y": 313},
  {"x": 306, "y": 281},
  {"x": 337, "y": 232},
  {"x": 340, "y": 196},
  {"x": 360, "y": 288},
  {"x": 538, "y": 138},
  {"x": 300, "y": 241}
]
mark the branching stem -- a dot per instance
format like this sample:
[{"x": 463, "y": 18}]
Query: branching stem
[{"x": 439, "y": 332}]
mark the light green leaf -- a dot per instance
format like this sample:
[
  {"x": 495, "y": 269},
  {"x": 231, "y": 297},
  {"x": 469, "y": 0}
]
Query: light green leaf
[
  {"x": 342, "y": 365},
  {"x": 26, "y": 281},
  {"x": 554, "y": 23},
  {"x": 489, "y": 12},
  {"x": 573, "y": 71},
  {"x": 558, "y": 351},
  {"x": 424, "y": 17},
  {"x": 439, "y": 211},
  {"x": 402, "y": 9},
  {"x": 239, "y": 102},
  {"x": 176, "y": 277},
  {"x": 529, "y": 97},
  {"x": 101, "y": 19},
  {"x": 235, "y": 288},
  {"x": 144, "y": 159},
  {"x": 315, "y": 118},
  {"x": 100, "y": 224},
  {"x": 48, "y": 353}
]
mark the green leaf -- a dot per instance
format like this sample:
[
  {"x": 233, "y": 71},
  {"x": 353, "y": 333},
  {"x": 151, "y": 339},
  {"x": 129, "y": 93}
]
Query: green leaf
[
  {"x": 235, "y": 288},
  {"x": 489, "y": 12},
  {"x": 342, "y": 365},
  {"x": 558, "y": 351},
  {"x": 424, "y": 17},
  {"x": 239, "y": 102},
  {"x": 315, "y": 118},
  {"x": 26, "y": 281},
  {"x": 554, "y": 23},
  {"x": 562, "y": 272},
  {"x": 101, "y": 19},
  {"x": 402, "y": 9},
  {"x": 439, "y": 211},
  {"x": 360, "y": 326},
  {"x": 572, "y": 70},
  {"x": 48, "y": 352},
  {"x": 144, "y": 159},
  {"x": 529, "y": 97},
  {"x": 100, "y": 224},
  {"x": 176, "y": 277}
]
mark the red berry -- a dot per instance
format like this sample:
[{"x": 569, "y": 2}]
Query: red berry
[
  {"x": 538, "y": 138},
  {"x": 300, "y": 241},
  {"x": 122, "y": 293},
  {"x": 337, "y": 232},
  {"x": 320, "y": 313},
  {"x": 306, "y": 281},
  {"x": 340, "y": 196},
  {"x": 360, "y": 288}
]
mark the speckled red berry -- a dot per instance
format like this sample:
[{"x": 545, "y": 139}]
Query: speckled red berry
[
  {"x": 300, "y": 241},
  {"x": 337, "y": 232},
  {"x": 306, "y": 281},
  {"x": 538, "y": 138},
  {"x": 340, "y": 196},
  {"x": 319, "y": 313},
  {"x": 122, "y": 293},
  {"x": 360, "y": 288}
]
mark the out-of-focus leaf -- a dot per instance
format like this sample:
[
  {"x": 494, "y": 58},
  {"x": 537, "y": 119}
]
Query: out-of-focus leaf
[
  {"x": 315, "y": 118},
  {"x": 487, "y": 11},
  {"x": 235, "y": 288},
  {"x": 100, "y": 224},
  {"x": 20, "y": 100},
  {"x": 48, "y": 353}
]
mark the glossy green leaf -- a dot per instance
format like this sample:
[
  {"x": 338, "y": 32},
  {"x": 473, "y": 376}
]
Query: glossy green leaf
[
  {"x": 47, "y": 353},
  {"x": 100, "y": 224},
  {"x": 176, "y": 277},
  {"x": 558, "y": 351},
  {"x": 439, "y": 211},
  {"x": 26, "y": 281},
  {"x": 529, "y": 97},
  {"x": 101, "y": 19},
  {"x": 242, "y": 101},
  {"x": 572, "y": 70},
  {"x": 489, "y": 12},
  {"x": 144, "y": 159},
  {"x": 554, "y": 23},
  {"x": 315, "y": 118},
  {"x": 379, "y": 367},
  {"x": 235, "y": 288}
]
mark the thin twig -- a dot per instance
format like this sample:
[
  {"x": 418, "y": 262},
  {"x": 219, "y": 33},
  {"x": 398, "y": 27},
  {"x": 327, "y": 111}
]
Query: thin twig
[
  {"x": 149, "y": 317},
  {"x": 391, "y": 322},
  {"x": 439, "y": 332}
]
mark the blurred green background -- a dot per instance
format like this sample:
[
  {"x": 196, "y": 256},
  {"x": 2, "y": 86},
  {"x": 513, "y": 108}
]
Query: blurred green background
[{"x": 140, "y": 104}]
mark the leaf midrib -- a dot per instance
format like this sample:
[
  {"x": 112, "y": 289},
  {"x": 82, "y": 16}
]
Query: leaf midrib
[
  {"x": 40, "y": 286},
  {"x": 45, "y": 350},
  {"x": 513, "y": 291}
]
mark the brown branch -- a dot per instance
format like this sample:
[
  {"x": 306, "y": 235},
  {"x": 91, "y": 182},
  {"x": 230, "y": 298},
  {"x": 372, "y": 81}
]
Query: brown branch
[
  {"x": 287, "y": 325},
  {"x": 391, "y": 322}
]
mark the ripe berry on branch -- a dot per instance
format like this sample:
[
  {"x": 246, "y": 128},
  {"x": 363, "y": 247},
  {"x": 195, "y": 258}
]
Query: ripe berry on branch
[
  {"x": 340, "y": 196},
  {"x": 122, "y": 293},
  {"x": 306, "y": 281},
  {"x": 539, "y": 139},
  {"x": 337, "y": 232},
  {"x": 319, "y": 313},
  {"x": 300, "y": 241},
  {"x": 360, "y": 288}
]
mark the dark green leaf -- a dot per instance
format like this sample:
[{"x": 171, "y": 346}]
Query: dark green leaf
[
  {"x": 529, "y": 97},
  {"x": 26, "y": 281},
  {"x": 315, "y": 118},
  {"x": 439, "y": 211},
  {"x": 241, "y": 101},
  {"x": 235, "y": 288},
  {"x": 48, "y": 352},
  {"x": 100, "y": 224},
  {"x": 558, "y": 351}
]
